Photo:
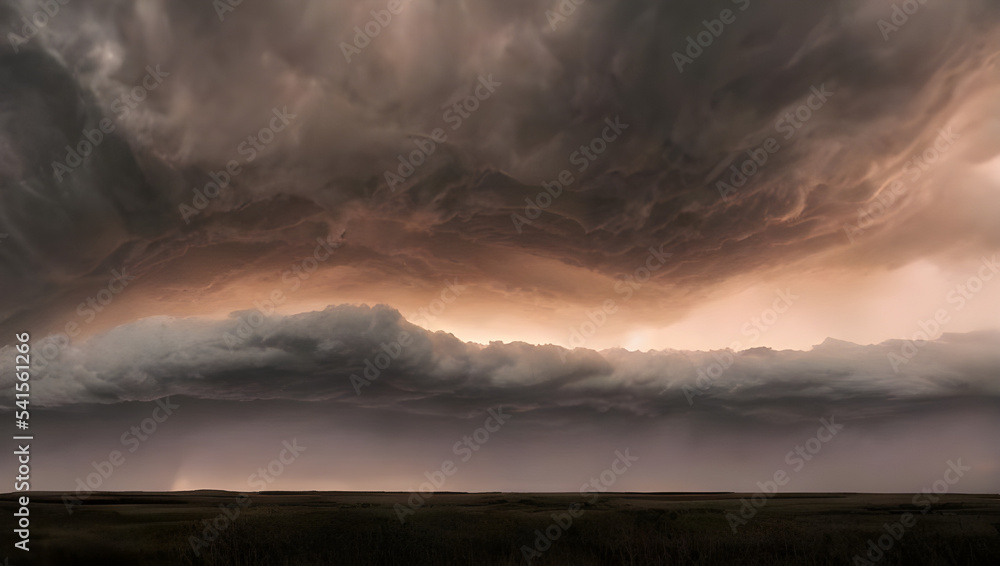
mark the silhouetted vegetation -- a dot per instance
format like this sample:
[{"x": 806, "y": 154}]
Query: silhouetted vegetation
[{"x": 490, "y": 529}]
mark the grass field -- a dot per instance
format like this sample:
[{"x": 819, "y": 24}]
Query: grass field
[{"x": 496, "y": 528}]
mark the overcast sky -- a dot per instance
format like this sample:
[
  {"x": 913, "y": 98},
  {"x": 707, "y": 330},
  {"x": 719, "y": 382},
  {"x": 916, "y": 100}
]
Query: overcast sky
[{"x": 623, "y": 237}]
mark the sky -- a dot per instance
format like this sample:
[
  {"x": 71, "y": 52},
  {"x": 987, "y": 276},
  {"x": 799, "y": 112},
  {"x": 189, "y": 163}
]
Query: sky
[{"x": 699, "y": 231}]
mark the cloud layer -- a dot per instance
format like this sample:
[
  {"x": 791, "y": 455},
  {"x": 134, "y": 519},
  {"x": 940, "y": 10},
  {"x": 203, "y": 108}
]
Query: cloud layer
[
  {"x": 657, "y": 184},
  {"x": 372, "y": 357},
  {"x": 871, "y": 157}
]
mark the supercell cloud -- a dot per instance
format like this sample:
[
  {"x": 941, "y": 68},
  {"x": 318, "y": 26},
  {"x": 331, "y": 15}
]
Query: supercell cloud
[{"x": 244, "y": 208}]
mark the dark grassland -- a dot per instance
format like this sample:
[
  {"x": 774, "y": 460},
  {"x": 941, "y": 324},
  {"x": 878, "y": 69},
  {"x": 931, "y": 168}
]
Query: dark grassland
[{"x": 490, "y": 529}]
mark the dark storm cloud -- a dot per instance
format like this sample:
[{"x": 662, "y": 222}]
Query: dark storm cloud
[
  {"x": 313, "y": 356},
  {"x": 654, "y": 185}
]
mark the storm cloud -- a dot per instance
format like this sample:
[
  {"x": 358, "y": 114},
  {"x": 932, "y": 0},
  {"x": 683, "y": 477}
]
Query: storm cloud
[
  {"x": 890, "y": 96},
  {"x": 372, "y": 357},
  {"x": 654, "y": 169}
]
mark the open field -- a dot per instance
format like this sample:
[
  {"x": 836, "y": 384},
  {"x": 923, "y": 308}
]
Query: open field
[{"x": 617, "y": 528}]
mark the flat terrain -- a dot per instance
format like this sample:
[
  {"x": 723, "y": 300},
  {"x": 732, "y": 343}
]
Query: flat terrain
[{"x": 492, "y": 529}]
